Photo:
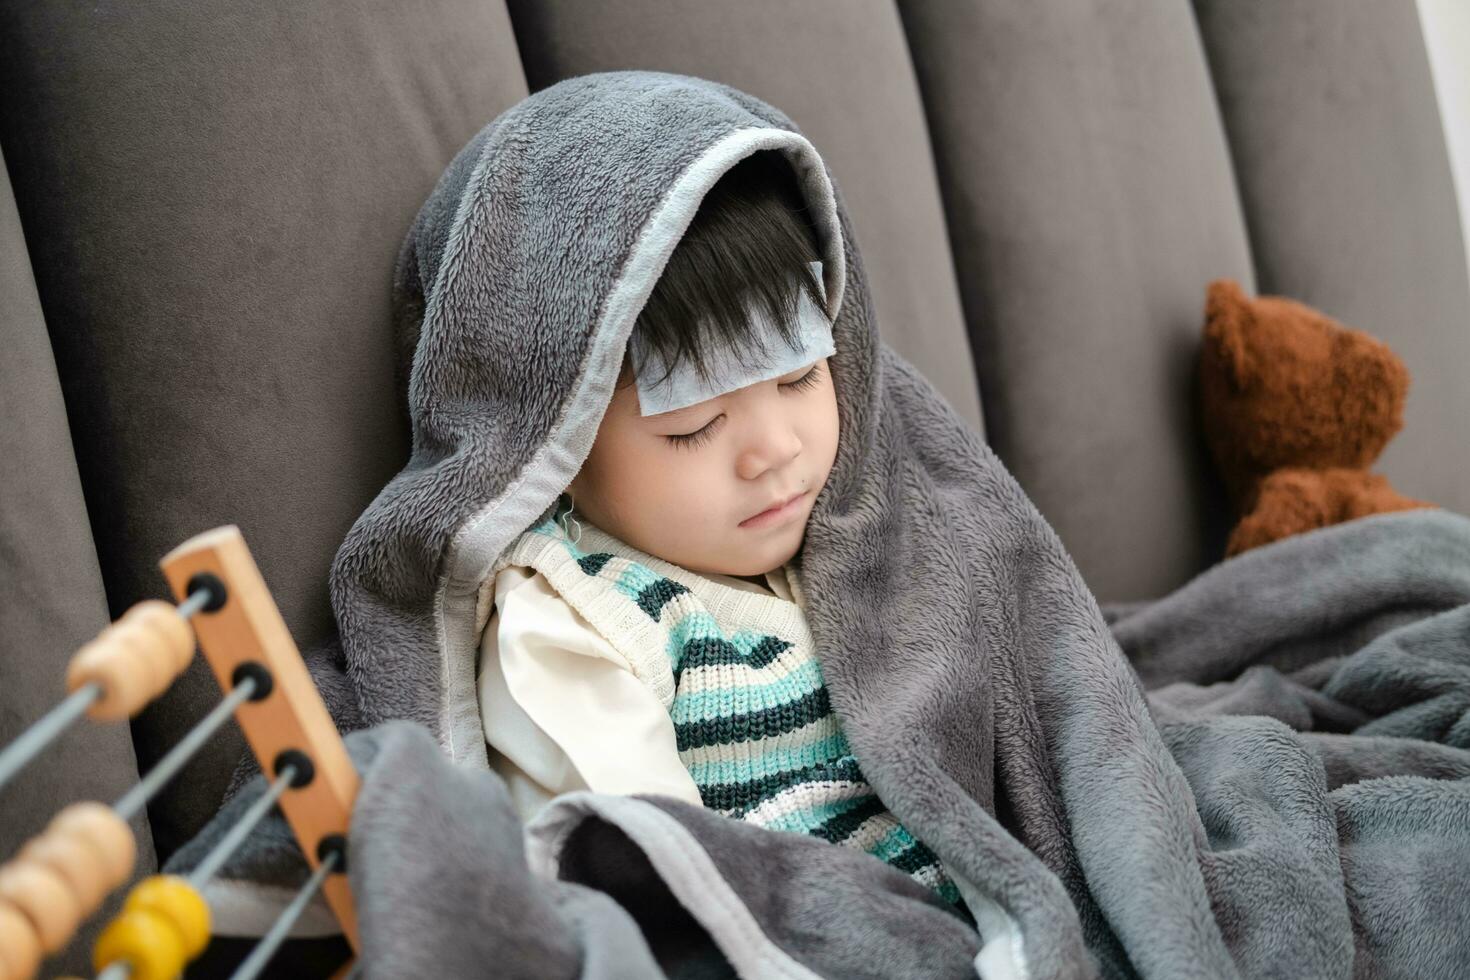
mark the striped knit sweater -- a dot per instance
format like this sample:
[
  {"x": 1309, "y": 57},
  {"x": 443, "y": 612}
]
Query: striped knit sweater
[{"x": 738, "y": 672}]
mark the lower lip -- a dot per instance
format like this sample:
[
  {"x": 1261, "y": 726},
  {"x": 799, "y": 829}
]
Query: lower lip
[{"x": 776, "y": 515}]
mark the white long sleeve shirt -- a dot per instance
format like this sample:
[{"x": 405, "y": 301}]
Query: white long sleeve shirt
[{"x": 562, "y": 709}]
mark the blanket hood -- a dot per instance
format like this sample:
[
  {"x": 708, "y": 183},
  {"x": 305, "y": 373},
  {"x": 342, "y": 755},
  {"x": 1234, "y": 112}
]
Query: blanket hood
[
  {"x": 515, "y": 293},
  {"x": 941, "y": 601}
]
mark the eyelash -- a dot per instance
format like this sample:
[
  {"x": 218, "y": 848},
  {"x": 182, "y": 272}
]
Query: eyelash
[
  {"x": 697, "y": 438},
  {"x": 808, "y": 380}
]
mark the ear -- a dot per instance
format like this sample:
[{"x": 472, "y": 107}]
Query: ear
[{"x": 1228, "y": 323}]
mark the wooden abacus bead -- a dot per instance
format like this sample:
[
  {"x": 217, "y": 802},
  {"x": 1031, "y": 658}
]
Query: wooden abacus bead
[
  {"x": 161, "y": 620},
  {"x": 156, "y": 657},
  {"x": 74, "y": 860},
  {"x": 106, "y": 833},
  {"x": 177, "y": 901},
  {"x": 46, "y": 899},
  {"x": 138, "y": 636},
  {"x": 125, "y": 682},
  {"x": 20, "y": 946},
  {"x": 147, "y": 649},
  {"x": 146, "y": 941}
]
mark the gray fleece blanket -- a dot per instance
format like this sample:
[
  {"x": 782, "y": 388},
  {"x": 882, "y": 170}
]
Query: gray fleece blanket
[{"x": 1262, "y": 774}]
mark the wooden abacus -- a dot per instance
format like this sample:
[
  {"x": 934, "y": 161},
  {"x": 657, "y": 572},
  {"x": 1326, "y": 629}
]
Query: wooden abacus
[{"x": 61, "y": 877}]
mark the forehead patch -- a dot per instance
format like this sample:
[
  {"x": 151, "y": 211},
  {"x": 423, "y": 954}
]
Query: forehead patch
[{"x": 661, "y": 390}]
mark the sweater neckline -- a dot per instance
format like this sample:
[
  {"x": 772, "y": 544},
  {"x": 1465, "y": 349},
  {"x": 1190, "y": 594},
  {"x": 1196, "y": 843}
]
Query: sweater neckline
[{"x": 709, "y": 590}]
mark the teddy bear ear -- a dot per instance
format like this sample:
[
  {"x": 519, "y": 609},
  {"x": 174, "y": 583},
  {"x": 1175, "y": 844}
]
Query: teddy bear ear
[{"x": 1228, "y": 318}]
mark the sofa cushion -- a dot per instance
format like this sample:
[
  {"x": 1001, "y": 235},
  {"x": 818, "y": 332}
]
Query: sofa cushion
[
  {"x": 1090, "y": 200},
  {"x": 52, "y": 601}
]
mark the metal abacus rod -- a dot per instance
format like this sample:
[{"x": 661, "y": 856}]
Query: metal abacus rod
[
  {"x": 24, "y": 882},
  {"x": 251, "y": 966},
  {"x": 62, "y": 876},
  {"x": 231, "y": 842},
  {"x": 221, "y": 851},
  {"x": 34, "y": 740},
  {"x": 136, "y": 798},
  {"x": 260, "y": 955}
]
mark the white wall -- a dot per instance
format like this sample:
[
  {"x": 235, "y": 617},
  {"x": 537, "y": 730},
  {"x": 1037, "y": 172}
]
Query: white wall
[{"x": 1447, "y": 35}]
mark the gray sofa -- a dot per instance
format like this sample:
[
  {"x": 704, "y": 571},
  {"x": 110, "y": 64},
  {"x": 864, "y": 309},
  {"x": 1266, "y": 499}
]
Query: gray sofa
[{"x": 204, "y": 201}]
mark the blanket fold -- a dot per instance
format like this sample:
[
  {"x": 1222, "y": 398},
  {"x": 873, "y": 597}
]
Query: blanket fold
[{"x": 1260, "y": 774}]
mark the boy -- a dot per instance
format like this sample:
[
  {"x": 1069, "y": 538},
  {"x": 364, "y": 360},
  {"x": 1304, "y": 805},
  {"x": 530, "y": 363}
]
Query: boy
[{"x": 653, "y": 644}]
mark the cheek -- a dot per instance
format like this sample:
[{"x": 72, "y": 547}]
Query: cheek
[
  {"x": 650, "y": 486},
  {"x": 830, "y": 428},
  {"x": 683, "y": 484}
]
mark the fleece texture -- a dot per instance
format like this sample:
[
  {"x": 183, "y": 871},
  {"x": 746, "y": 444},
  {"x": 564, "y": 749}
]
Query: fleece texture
[{"x": 1094, "y": 826}]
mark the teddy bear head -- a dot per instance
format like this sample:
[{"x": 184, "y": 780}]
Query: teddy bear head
[{"x": 1282, "y": 384}]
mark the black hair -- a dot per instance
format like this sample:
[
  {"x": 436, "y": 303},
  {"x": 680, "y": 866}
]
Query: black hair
[{"x": 749, "y": 243}]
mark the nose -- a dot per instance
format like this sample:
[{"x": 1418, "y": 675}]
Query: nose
[{"x": 772, "y": 443}]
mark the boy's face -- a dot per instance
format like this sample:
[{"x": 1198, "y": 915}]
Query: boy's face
[{"x": 691, "y": 486}]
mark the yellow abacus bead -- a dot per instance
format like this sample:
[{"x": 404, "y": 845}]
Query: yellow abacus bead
[
  {"x": 176, "y": 900},
  {"x": 126, "y": 684},
  {"x": 20, "y": 947},
  {"x": 146, "y": 941},
  {"x": 163, "y": 624},
  {"x": 73, "y": 859},
  {"x": 107, "y": 834},
  {"x": 45, "y": 898}
]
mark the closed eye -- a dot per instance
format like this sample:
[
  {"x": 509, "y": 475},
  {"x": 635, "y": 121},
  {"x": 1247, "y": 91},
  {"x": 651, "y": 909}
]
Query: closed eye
[
  {"x": 697, "y": 438},
  {"x": 809, "y": 380}
]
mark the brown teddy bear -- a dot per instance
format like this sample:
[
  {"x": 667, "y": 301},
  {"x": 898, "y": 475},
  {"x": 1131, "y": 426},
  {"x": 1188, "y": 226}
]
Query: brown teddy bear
[{"x": 1296, "y": 407}]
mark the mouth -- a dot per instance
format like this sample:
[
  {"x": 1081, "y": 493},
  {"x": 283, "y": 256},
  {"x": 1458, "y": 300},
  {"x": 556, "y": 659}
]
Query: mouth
[{"x": 776, "y": 513}]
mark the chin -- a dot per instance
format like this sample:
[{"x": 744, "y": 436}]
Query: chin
[{"x": 760, "y": 561}]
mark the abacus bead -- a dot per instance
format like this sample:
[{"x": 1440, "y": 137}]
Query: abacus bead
[
  {"x": 74, "y": 859},
  {"x": 138, "y": 629},
  {"x": 125, "y": 682},
  {"x": 79, "y": 669},
  {"x": 45, "y": 898},
  {"x": 143, "y": 651},
  {"x": 146, "y": 941},
  {"x": 20, "y": 947},
  {"x": 109, "y": 836},
  {"x": 153, "y": 652},
  {"x": 161, "y": 620},
  {"x": 176, "y": 900}
]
